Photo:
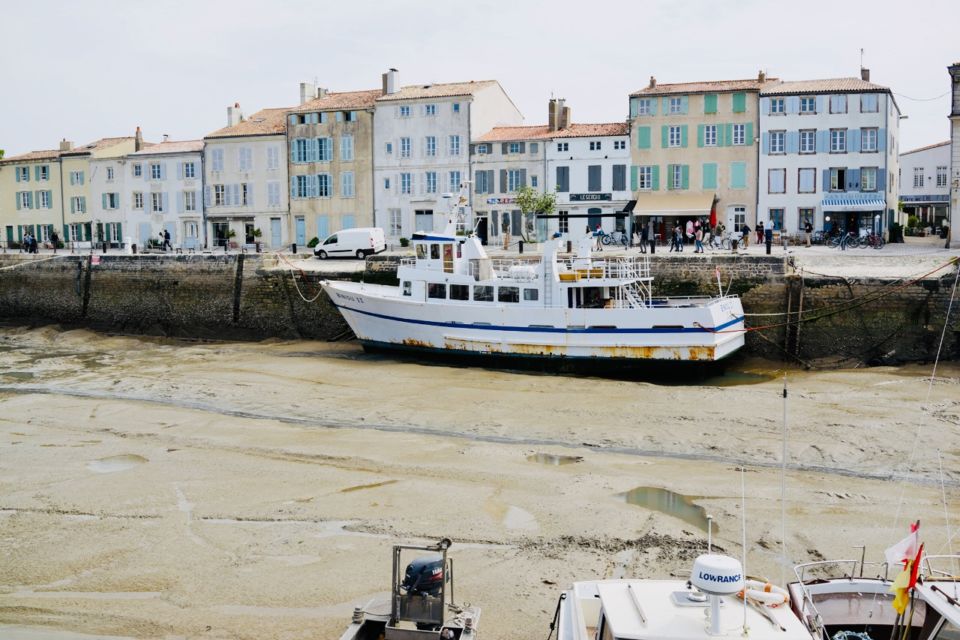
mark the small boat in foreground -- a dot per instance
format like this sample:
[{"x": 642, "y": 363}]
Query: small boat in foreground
[{"x": 452, "y": 298}]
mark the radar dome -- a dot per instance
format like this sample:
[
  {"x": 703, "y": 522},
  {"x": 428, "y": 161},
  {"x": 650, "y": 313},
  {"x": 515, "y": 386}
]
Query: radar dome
[{"x": 717, "y": 575}]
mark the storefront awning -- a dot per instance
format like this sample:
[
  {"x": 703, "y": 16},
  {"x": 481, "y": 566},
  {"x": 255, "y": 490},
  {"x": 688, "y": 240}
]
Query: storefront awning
[
  {"x": 853, "y": 202},
  {"x": 673, "y": 204}
]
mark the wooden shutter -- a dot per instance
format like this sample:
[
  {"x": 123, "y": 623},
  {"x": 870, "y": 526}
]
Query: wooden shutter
[
  {"x": 853, "y": 140},
  {"x": 683, "y": 136},
  {"x": 710, "y": 103},
  {"x": 685, "y": 176},
  {"x": 700, "y": 128},
  {"x": 664, "y": 136},
  {"x": 655, "y": 177},
  {"x": 643, "y": 137},
  {"x": 633, "y": 178},
  {"x": 826, "y": 180}
]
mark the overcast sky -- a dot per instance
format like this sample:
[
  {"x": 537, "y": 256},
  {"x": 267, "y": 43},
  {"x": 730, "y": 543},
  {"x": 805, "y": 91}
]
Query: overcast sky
[{"x": 90, "y": 69}]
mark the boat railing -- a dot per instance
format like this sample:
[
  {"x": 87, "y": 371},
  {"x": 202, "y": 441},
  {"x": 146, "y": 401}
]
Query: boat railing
[
  {"x": 408, "y": 262},
  {"x": 624, "y": 268},
  {"x": 929, "y": 571},
  {"x": 518, "y": 270}
]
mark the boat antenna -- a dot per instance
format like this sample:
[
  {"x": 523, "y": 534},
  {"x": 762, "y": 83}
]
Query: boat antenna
[
  {"x": 743, "y": 525},
  {"x": 783, "y": 487},
  {"x": 709, "y": 534}
]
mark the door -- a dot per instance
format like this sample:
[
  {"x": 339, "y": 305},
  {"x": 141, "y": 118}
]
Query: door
[
  {"x": 594, "y": 218},
  {"x": 482, "y": 229},
  {"x": 301, "y": 231},
  {"x": 516, "y": 223},
  {"x": 275, "y": 235},
  {"x": 145, "y": 231},
  {"x": 448, "y": 258}
]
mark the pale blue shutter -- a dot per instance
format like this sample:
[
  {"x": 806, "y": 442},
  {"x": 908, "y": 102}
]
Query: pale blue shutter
[
  {"x": 81, "y": 177},
  {"x": 72, "y": 179},
  {"x": 73, "y": 205},
  {"x": 882, "y": 139},
  {"x": 748, "y": 134},
  {"x": 49, "y": 199},
  {"x": 765, "y": 105},
  {"x": 765, "y": 149},
  {"x": 881, "y": 180},
  {"x": 666, "y": 104},
  {"x": 36, "y": 173},
  {"x": 103, "y": 200},
  {"x": 793, "y": 141},
  {"x": 826, "y": 180},
  {"x": 853, "y": 179},
  {"x": 180, "y": 203},
  {"x": 250, "y": 194},
  {"x": 293, "y": 187},
  {"x": 684, "y": 105},
  {"x": 853, "y": 140},
  {"x": 180, "y": 171},
  {"x": 18, "y": 201},
  {"x": 821, "y": 104},
  {"x": 823, "y": 141},
  {"x": 17, "y": 173},
  {"x": 163, "y": 170},
  {"x": 792, "y": 104},
  {"x": 206, "y": 196}
]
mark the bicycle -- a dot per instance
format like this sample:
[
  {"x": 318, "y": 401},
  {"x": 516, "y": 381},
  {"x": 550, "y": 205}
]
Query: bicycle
[
  {"x": 872, "y": 240},
  {"x": 849, "y": 239},
  {"x": 617, "y": 237}
]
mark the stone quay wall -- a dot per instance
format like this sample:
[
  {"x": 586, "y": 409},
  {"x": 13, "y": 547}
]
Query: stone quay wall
[{"x": 847, "y": 322}]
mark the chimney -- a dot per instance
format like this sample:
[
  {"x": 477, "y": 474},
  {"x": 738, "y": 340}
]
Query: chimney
[
  {"x": 166, "y": 137},
  {"x": 65, "y": 145},
  {"x": 390, "y": 80},
  {"x": 761, "y": 77},
  {"x": 308, "y": 91},
  {"x": 321, "y": 92},
  {"x": 234, "y": 116},
  {"x": 552, "y": 114},
  {"x": 865, "y": 74},
  {"x": 138, "y": 140},
  {"x": 565, "y": 117},
  {"x": 653, "y": 82}
]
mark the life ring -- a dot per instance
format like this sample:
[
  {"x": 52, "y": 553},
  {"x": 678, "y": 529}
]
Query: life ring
[{"x": 765, "y": 593}]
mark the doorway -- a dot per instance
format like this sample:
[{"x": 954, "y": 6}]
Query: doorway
[
  {"x": 482, "y": 229},
  {"x": 593, "y": 218}
]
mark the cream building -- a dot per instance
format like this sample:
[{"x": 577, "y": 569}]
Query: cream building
[
  {"x": 330, "y": 138},
  {"x": 245, "y": 180},
  {"x": 31, "y": 194}
]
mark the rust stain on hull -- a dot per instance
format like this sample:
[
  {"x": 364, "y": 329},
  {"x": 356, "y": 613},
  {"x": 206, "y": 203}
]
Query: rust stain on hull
[{"x": 690, "y": 353}]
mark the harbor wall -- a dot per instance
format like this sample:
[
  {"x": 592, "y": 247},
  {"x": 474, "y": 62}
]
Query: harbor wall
[{"x": 847, "y": 322}]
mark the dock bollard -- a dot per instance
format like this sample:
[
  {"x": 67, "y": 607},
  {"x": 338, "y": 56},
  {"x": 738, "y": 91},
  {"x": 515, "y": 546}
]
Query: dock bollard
[
  {"x": 520, "y": 245},
  {"x": 569, "y": 246},
  {"x": 294, "y": 247}
]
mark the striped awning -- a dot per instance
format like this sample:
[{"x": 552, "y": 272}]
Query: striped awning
[{"x": 853, "y": 202}]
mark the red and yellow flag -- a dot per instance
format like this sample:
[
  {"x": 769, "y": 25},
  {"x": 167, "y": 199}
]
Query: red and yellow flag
[{"x": 905, "y": 581}]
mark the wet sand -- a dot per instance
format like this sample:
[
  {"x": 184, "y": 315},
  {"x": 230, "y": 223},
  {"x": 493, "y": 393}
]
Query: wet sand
[{"x": 160, "y": 489}]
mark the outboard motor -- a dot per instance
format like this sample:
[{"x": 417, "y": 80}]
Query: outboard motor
[{"x": 424, "y": 576}]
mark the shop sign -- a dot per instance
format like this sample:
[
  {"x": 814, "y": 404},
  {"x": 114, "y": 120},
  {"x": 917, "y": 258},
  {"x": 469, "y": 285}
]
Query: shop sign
[{"x": 590, "y": 197}]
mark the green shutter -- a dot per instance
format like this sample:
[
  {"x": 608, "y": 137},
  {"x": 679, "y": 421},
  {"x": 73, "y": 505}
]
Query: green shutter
[
  {"x": 36, "y": 173},
  {"x": 30, "y": 199},
  {"x": 710, "y": 103},
  {"x": 728, "y": 135},
  {"x": 18, "y": 200},
  {"x": 699, "y": 135},
  {"x": 73, "y": 205},
  {"x": 103, "y": 200},
  {"x": 748, "y": 135},
  {"x": 66, "y": 233},
  {"x": 710, "y": 175},
  {"x": 643, "y": 137},
  {"x": 655, "y": 177},
  {"x": 670, "y": 184},
  {"x": 683, "y": 136},
  {"x": 664, "y": 133},
  {"x": 120, "y": 231},
  {"x": 49, "y": 199},
  {"x": 738, "y": 175},
  {"x": 739, "y": 102},
  {"x": 685, "y": 176},
  {"x": 633, "y": 178}
]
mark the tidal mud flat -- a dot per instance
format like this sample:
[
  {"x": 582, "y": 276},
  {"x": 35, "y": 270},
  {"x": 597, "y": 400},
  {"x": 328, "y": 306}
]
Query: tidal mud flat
[{"x": 152, "y": 488}]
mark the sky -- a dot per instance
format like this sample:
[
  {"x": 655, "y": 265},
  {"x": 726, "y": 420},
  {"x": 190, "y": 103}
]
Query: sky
[{"x": 87, "y": 69}]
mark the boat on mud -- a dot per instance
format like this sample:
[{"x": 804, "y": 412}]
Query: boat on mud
[{"x": 452, "y": 298}]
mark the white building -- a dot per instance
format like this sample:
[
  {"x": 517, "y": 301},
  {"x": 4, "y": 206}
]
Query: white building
[
  {"x": 245, "y": 180},
  {"x": 828, "y": 155},
  {"x": 422, "y": 139},
  {"x": 162, "y": 190},
  {"x": 925, "y": 184}
]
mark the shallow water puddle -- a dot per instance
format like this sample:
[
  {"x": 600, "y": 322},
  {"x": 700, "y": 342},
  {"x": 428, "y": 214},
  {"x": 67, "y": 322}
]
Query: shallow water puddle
[
  {"x": 519, "y": 519},
  {"x": 553, "y": 459},
  {"x": 113, "y": 464},
  {"x": 18, "y": 375},
  {"x": 670, "y": 503}
]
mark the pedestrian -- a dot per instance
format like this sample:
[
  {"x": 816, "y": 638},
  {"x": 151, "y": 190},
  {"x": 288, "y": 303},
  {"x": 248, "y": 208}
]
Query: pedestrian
[
  {"x": 54, "y": 240},
  {"x": 946, "y": 234},
  {"x": 166, "y": 240},
  {"x": 760, "y": 235},
  {"x": 807, "y": 230},
  {"x": 506, "y": 232},
  {"x": 34, "y": 246},
  {"x": 644, "y": 237},
  {"x": 678, "y": 237},
  {"x": 689, "y": 231},
  {"x": 25, "y": 243},
  {"x": 745, "y": 233},
  {"x": 598, "y": 234},
  {"x": 698, "y": 234}
]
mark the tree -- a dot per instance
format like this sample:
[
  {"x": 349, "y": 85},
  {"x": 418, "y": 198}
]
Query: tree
[
  {"x": 1, "y": 154},
  {"x": 533, "y": 202}
]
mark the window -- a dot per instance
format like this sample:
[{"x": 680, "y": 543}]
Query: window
[
  {"x": 429, "y": 109},
  {"x": 346, "y": 148},
  {"x": 482, "y": 149},
  {"x": 155, "y": 171},
  {"x": 563, "y": 179},
  {"x": 675, "y": 137},
  {"x": 302, "y": 187},
  {"x": 645, "y": 107},
  {"x": 324, "y": 149},
  {"x": 324, "y": 185},
  {"x": 245, "y": 194},
  {"x": 593, "y": 177},
  {"x": 395, "y": 223},
  {"x": 459, "y": 292},
  {"x": 838, "y": 140},
  {"x": 273, "y": 193},
  {"x": 710, "y": 103},
  {"x": 23, "y": 174},
  {"x": 300, "y": 150},
  {"x": 156, "y": 202},
  {"x": 389, "y": 148},
  {"x": 808, "y": 104},
  {"x": 777, "y": 106},
  {"x": 808, "y": 140},
  {"x": 534, "y": 181},
  {"x": 220, "y": 196},
  {"x": 189, "y": 200},
  {"x": 112, "y": 200},
  {"x": 189, "y": 170},
  {"x": 455, "y": 181},
  {"x": 739, "y": 102},
  {"x": 806, "y": 180},
  {"x": 386, "y": 183},
  {"x": 514, "y": 147},
  {"x": 619, "y": 177},
  {"x": 595, "y": 145},
  {"x": 76, "y": 177},
  {"x": 868, "y": 179},
  {"x": 347, "y": 185},
  {"x": 739, "y": 134},
  {"x": 776, "y": 181},
  {"x": 534, "y": 147},
  {"x": 25, "y": 200},
  {"x": 456, "y": 107},
  {"x": 482, "y": 181},
  {"x": 918, "y": 178},
  {"x": 514, "y": 180},
  {"x": 78, "y": 204},
  {"x": 739, "y": 216},
  {"x": 676, "y": 105},
  {"x": 44, "y": 200},
  {"x": 430, "y": 146},
  {"x": 531, "y": 295},
  {"x": 137, "y": 200},
  {"x": 869, "y": 103},
  {"x": 563, "y": 221},
  {"x": 349, "y": 116},
  {"x": 454, "y": 148},
  {"x": 508, "y": 294},
  {"x": 941, "y": 176},
  {"x": 43, "y": 173},
  {"x": 838, "y": 103},
  {"x": 868, "y": 140},
  {"x": 137, "y": 170},
  {"x": 563, "y": 146},
  {"x": 483, "y": 294},
  {"x": 245, "y": 158},
  {"x": 405, "y": 111},
  {"x": 645, "y": 178},
  {"x": 405, "y": 183},
  {"x": 404, "y": 147},
  {"x": 676, "y": 176},
  {"x": 710, "y": 135},
  {"x": 109, "y": 174},
  {"x": 436, "y": 290},
  {"x": 838, "y": 179},
  {"x": 619, "y": 145},
  {"x": 434, "y": 251},
  {"x": 776, "y": 219},
  {"x": 777, "y": 141},
  {"x": 431, "y": 181},
  {"x": 806, "y": 215},
  {"x": 273, "y": 157}
]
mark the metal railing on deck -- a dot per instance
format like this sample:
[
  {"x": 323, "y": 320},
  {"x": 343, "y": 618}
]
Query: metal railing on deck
[{"x": 627, "y": 268}]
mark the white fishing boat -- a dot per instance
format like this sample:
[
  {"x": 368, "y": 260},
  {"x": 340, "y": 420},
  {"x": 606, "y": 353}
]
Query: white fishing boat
[{"x": 453, "y": 298}]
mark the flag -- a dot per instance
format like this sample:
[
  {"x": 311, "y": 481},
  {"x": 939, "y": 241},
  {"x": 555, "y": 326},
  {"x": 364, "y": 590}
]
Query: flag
[
  {"x": 905, "y": 581},
  {"x": 713, "y": 212},
  {"x": 904, "y": 550}
]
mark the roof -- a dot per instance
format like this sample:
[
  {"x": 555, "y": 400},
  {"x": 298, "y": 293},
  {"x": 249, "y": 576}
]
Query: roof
[
  {"x": 181, "y": 146},
  {"x": 926, "y": 148},
  {"x": 829, "y": 85},
  {"x": 542, "y": 131},
  {"x": 342, "y": 100},
  {"x": 96, "y": 145},
  {"x": 46, "y": 154},
  {"x": 262, "y": 123},
  {"x": 444, "y": 90},
  {"x": 715, "y": 86}
]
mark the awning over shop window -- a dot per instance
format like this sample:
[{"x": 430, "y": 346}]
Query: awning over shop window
[
  {"x": 673, "y": 204},
  {"x": 853, "y": 202}
]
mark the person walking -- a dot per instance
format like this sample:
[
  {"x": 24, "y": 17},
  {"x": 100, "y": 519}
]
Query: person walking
[
  {"x": 54, "y": 240},
  {"x": 760, "y": 235},
  {"x": 807, "y": 230},
  {"x": 166, "y": 240},
  {"x": 745, "y": 235},
  {"x": 698, "y": 235},
  {"x": 678, "y": 237},
  {"x": 689, "y": 231},
  {"x": 644, "y": 237}
]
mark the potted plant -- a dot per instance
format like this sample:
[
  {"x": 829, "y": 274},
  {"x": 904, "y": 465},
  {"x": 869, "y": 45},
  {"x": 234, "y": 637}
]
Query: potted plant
[
  {"x": 231, "y": 234},
  {"x": 256, "y": 238}
]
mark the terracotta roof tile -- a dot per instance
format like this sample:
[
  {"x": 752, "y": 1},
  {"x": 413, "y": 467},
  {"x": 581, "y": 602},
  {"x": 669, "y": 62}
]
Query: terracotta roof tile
[
  {"x": 342, "y": 100},
  {"x": 926, "y": 148},
  {"x": 752, "y": 84},
  {"x": 263, "y": 122},
  {"x": 829, "y": 85},
  {"x": 96, "y": 145},
  {"x": 46, "y": 154},
  {"x": 179, "y": 146},
  {"x": 444, "y": 90},
  {"x": 543, "y": 132}
]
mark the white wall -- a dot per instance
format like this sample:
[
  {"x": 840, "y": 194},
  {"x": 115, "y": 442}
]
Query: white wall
[
  {"x": 172, "y": 187},
  {"x": 929, "y": 160}
]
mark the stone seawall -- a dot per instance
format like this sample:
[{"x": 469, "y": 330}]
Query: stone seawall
[{"x": 247, "y": 297}]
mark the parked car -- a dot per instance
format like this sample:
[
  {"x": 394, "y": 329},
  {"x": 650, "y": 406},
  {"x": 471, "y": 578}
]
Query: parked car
[{"x": 359, "y": 243}]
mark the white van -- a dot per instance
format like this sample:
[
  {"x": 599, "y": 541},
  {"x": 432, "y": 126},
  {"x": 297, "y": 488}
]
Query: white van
[{"x": 350, "y": 243}]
